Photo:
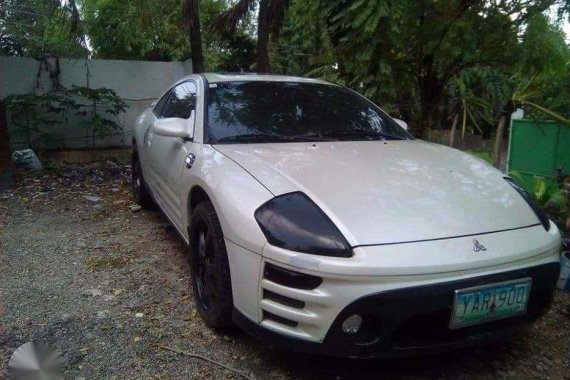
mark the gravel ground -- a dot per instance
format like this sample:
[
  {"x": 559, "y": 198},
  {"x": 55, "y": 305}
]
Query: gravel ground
[{"x": 108, "y": 287}]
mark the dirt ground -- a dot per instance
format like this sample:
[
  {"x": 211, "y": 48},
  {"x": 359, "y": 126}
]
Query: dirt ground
[{"x": 109, "y": 287}]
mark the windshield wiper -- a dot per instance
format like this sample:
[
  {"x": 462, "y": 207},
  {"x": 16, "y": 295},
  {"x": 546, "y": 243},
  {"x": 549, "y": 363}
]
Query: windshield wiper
[
  {"x": 356, "y": 132},
  {"x": 253, "y": 137},
  {"x": 265, "y": 137},
  {"x": 250, "y": 137}
]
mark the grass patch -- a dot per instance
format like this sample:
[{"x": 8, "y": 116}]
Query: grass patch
[{"x": 482, "y": 155}]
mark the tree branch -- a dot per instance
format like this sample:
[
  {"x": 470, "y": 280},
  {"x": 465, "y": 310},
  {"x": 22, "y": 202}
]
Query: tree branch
[{"x": 228, "y": 20}]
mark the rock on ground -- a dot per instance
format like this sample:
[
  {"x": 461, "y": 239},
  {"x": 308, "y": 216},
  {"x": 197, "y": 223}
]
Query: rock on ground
[{"x": 26, "y": 159}]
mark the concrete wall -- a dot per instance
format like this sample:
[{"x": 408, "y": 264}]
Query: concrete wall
[{"x": 138, "y": 83}]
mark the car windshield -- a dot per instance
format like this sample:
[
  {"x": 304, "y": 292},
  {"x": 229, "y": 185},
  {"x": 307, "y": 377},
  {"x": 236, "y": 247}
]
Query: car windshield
[{"x": 260, "y": 111}]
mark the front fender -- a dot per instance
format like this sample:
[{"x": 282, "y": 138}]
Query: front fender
[
  {"x": 234, "y": 192},
  {"x": 139, "y": 130}
]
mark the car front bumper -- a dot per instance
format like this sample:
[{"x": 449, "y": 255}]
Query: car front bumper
[{"x": 397, "y": 322}]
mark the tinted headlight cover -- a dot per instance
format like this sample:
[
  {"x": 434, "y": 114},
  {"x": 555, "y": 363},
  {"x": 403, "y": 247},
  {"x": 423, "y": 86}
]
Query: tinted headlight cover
[
  {"x": 293, "y": 221},
  {"x": 541, "y": 215}
]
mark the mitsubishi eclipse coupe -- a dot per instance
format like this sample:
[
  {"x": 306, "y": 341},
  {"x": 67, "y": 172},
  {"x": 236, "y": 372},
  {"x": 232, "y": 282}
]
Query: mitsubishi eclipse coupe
[{"x": 316, "y": 221}]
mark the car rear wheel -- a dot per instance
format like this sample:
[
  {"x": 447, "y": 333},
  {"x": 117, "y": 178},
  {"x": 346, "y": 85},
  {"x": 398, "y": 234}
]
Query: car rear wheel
[
  {"x": 210, "y": 268},
  {"x": 140, "y": 192}
]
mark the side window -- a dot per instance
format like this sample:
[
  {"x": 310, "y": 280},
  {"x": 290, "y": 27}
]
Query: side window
[
  {"x": 181, "y": 102},
  {"x": 160, "y": 105}
]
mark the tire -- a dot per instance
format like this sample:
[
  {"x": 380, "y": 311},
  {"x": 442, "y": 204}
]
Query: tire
[
  {"x": 211, "y": 280},
  {"x": 140, "y": 193}
]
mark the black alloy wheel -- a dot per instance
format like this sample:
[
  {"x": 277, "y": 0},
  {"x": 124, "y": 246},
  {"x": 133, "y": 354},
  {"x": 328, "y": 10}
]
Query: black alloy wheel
[
  {"x": 210, "y": 268},
  {"x": 140, "y": 192}
]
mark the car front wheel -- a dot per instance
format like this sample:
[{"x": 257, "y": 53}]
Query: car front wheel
[
  {"x": 210, "y": 268},
  {"x": 140, "y": 192}
]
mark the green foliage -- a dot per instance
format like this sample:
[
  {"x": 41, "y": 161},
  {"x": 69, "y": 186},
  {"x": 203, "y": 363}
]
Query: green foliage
[
  {"x": 486, "y": 156},
  {"x": 424, "y": 60},
  {"x": 304, "y": 47},
  {"x": 549, "y": 195},
  {"x": 46, "y": 115},
  {"x": 234, "y": 53},
  {"x": 544, "y": 49},
  {"x": 420, "y": 58},
  {"x": 270, "y": 17},
  {"x": 39, "y": 28},
  {"x": 483, "y": 90},
  {"x": 223, "y": 51},
  {"x": 153, "y": 30},
  {"x": 141, "y": 29},
  {"x": 542, "y": 79}
]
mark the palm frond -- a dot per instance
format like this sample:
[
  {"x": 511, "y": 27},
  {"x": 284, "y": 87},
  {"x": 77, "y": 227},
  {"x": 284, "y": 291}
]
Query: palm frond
[
  {"x": 486, "y": 118},
  {"x": 527, "y": 94},
  {"x": 227, "y": 21},
  {"x": 478, "y": 102},
  {"x": 464, "y": 124},
  {"x": 525, "y": 91},
  {"x": 556, "y": 116},
  {"x": 474, "y": 120}
]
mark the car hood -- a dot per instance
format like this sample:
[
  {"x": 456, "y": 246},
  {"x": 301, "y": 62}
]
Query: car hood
[{"x": 389, "y": 192}]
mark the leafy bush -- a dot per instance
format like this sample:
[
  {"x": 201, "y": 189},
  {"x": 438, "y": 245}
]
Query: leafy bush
[
  {"x": 38, "y": 114},
  {"x": 550, "y": 196}
]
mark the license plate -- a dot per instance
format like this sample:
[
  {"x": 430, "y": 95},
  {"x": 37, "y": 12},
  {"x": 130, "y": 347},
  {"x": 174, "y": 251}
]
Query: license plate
[{"x": 486, "y": 303}]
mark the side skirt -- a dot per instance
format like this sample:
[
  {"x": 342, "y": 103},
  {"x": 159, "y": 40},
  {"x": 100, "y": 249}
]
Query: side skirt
[{"x": 186, "y": 241}]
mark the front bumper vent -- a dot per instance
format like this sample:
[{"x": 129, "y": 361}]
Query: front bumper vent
[
  {"x": 290, "y": 278},
  {"x": 275, "y": 318},
  {"x": 283, "y": 300}
]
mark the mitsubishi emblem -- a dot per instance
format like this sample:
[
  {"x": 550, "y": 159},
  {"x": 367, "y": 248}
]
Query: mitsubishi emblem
[{"x": 478, "y": 247}]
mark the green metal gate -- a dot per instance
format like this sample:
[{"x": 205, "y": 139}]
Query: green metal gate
[{"x": 538, "y": 149}]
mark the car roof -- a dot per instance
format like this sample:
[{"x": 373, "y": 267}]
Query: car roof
[{"x": 247, "y": 77}]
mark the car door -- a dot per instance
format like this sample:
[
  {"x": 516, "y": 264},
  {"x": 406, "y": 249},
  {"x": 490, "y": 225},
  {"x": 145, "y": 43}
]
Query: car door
[
  {"x": 166, "y": 155},
  {"x": 147, "y": 122}
]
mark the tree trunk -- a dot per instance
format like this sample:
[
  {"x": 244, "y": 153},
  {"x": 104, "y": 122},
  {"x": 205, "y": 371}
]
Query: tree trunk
[
  {"x": 262, "y": 59},
  {"x": 6, "y": 173},
  {"x": 431, "y": 92},
  {"x": 191, "y": 14},
  {"x": 453, "y": 129},
  {"x": 499, "y": 140}
]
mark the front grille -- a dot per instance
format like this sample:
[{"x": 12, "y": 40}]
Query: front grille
[{"x": 432, "y": 328}]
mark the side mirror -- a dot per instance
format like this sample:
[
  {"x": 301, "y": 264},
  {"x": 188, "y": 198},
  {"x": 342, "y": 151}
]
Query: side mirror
[
  {"x": 175, "y": 127},
  {"x": 153, "y": 104},
  {"x": 401, "y": 123}
]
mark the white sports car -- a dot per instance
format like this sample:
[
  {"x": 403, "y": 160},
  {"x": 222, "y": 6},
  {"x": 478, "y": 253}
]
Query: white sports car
[{"x": 316, "y": 221}]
